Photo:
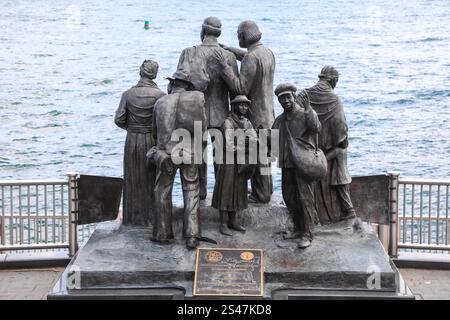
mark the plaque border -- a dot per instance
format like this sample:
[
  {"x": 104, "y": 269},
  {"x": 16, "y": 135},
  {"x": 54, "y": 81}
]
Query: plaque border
[{"x": 229, "y": 294}]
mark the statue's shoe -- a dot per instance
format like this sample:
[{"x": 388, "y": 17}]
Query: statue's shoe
[
  {"x": 192, "y": 243},
  {"x": 252, "y": 199},
  {"x": 224, "y": 230},
  {"x": 162, "y": 241},
  {"x": 236, "y": 227},
  {"x": 304, "y": 243}
]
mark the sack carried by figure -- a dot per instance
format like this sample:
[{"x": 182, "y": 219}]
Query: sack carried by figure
[
  {"x": 160, "y": 159},
  {"x": 310, "y": 161}
]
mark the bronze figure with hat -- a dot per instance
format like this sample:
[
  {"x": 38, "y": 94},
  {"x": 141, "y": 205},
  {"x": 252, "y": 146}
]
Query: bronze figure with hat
[
  {"x": 180, "y": 109},
  {"x": 298, "y": 127},
  {"x": 230, "y": 189}
]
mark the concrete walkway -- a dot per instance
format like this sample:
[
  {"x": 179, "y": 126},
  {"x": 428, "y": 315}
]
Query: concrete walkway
[
  {"x": 36, "y": 283},
  {"x": 428, "y": 284},
  {"x": 27, "y": 284}
]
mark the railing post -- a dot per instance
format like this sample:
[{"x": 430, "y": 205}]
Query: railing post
[
  {"x": 383, "y": 235},
  {"x": 393, "y": 212},
  {"x": 2, "y": 231},
  {"x": 73, "y": 213},
  {"x": 2, "y": 219}
]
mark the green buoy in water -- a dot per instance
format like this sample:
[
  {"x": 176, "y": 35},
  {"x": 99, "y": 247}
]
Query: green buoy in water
[{"x": 147, "y": 25}]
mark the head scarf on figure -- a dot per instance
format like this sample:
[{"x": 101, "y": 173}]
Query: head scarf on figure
[
  {"x": 330, "y": 74},
  {"x": 149, "y": 69}
]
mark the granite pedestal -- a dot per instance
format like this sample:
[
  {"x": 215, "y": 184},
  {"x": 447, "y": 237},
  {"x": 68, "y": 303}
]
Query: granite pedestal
[{"x": 342, "y": 262}]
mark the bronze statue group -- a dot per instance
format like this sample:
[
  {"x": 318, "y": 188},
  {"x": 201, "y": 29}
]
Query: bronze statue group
[{"x": 208, "y": 88}]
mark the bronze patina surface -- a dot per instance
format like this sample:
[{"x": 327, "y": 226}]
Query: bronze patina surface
[{"x": 98, "y": 198}]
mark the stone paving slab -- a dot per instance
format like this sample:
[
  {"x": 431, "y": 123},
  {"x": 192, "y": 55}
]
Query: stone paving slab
[
  {"x": 27, "y": 284},
  {"x": 428, "y": 284}
]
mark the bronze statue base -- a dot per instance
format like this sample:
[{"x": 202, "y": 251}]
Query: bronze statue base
[{"x": 122, "y": 262}]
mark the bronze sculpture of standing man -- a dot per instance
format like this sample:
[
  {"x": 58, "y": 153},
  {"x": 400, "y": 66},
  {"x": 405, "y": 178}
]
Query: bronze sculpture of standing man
[
  {"x": 205, "y": 75},
  {"x": 298, "y": 126},
  {"x": 180, "y": 109},
  {"x": 255, "y": 81}
]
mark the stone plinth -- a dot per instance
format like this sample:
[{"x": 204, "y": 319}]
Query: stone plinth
[{"x": 340, "y": 260}]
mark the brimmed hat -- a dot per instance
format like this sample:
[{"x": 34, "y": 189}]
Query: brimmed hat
[
  {"x": 240, "y": 98},
  {"x": 285, "y": 88},
  {"x": 181, "y": 75}
]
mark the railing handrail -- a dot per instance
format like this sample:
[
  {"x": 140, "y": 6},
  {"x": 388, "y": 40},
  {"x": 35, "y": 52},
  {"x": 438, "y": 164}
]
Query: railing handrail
[
  {"x": 64, "y": 181},
  {"x": 423, "y": 246},
  {"x": 425, "y": 218},
  {"x": 424, "y": 181},
  {"x": 419, "y": 229},
  {"x": 35, "y": 246},
  {"x": 33, "y": 182},
  {"x": 69, "y": 186},
  {"x": 34, "y": 214}
]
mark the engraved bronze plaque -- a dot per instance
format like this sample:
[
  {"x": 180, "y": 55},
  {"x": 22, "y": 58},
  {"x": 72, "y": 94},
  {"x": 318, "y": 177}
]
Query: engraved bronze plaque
[{"x": 229, "y": 272}]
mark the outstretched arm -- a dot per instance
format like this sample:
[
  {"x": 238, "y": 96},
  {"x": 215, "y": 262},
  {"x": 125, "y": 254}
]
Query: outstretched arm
[
  {"x": 242, "y": 83},
  {"x": 238, "y": 53},
  {"x": 312, "y": 120}
]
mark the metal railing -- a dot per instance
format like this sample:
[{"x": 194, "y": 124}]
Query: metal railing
[
  {"x": 419, "y": 214},
  {"x": 40, "y": 215}
]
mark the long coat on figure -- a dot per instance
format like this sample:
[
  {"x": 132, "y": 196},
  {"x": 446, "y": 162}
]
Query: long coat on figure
[
  {"x": 230, "y": 190},
  {"x": 332, "y": 193},
  {"x": 134, "y": 114}
]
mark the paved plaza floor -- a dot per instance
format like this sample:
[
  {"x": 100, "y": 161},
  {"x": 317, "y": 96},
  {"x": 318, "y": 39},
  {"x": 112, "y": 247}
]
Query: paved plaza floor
[
  {"x": 27, "y": 284},
  {"x": 36, "y": 283},
  {"x": 428, "y": 284}
]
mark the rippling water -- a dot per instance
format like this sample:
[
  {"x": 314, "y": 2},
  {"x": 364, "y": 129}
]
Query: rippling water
[{"x": 64, "y": 65}]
